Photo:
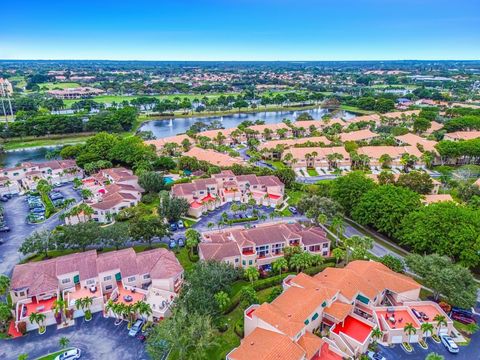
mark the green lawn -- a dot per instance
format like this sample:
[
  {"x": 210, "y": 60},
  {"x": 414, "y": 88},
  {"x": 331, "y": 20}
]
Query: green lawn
[
  {"x": 294, "y": 196},
  {"x": 59, "y": 85},
  {"x": 277, "y": 164},
  {"x": 312, "y": 172},
  {"x": 355, "y": 110},
  {"x": 51, "y": 141}
]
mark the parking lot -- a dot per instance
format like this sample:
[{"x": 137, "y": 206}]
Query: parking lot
[
  {"x": 16, "y": 212},
  {"x": 98, "y": 339},
  {"x": 470, "y": 352}
]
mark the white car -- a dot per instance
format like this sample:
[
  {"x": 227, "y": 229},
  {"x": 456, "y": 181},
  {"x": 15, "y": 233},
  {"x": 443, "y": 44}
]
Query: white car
[
  {"x": 374, "y": 356},
  {"x": 71, "y": 354},
  {"x": 448, "y": 342}
]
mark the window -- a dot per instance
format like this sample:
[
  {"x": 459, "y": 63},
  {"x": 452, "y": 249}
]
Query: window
[
  {"x": 65, "y": 281},
  {"x": 146, "y": 276},
  {"x": 306, "y": 322},
  {"x": 315, "y": 316},
  {"x": 108, "y": 287},
  {"x": 107, "y": 278},
  {"x": 250, "y": 262},
  {"x": 244, "y": 262},
  {"x": 131, "y": 278},
  {"x": 325, "y": 245},
  {"x": 90, "y": 281}
]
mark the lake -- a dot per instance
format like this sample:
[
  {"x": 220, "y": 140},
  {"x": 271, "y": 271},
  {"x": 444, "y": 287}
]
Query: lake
[{"x": 170, "y": 127}]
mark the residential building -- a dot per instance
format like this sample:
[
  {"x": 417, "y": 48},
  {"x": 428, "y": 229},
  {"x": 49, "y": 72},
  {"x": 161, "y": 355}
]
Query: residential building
[
  {"x": 359, "y": 135},
  {"x": 317, "y": 157},
  {"x": 395, "y": 153},
  {"x": 213, "y": 157},
  {"x": 75, "y": 93},
  {"x": 341, "y": 305},
  {"x": 434, "y": 126},
  {"x": 268, "y": 148},
  {"x": 261, "y": 131},
  {"x": 153, "y": 276},
  {"x": 26, "y": 176},
  {"x": 436, "y": 198},
  {"x": 462, "y": 135},
  {"x": 111, "y": 191},
  {"x": 208, "y": 194},
  {"x": 262, "y": 245},
  {"x": 159, "y": 144},
  {"x": 414, "y": 140}
]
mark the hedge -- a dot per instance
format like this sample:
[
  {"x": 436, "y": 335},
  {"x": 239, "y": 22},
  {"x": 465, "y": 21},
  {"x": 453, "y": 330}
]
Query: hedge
[{"x": 235, "y": 221}]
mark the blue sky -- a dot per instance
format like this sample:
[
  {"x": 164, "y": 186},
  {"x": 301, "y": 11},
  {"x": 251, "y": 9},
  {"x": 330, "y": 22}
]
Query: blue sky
[{"x": 240, "y": 29}]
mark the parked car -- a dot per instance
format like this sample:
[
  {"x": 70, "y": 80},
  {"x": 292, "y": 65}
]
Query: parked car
[
  {"x": 293, "y": 210},
  {"x": 181, "y": 242},
  {"x": 173, "y": 226},
  {"x": 172, "y": 244},
  {"x": 4, "y": 229},
  {"x": 54, "y": 195},
  {"x": 135, "y": 329},
  {"x": 3, "y": 199},
  {"x": 374, "y": 356},
  {"x": 180, "y": 224},
  {"x": 462, "y": 318},
  {"x": 462, "y": 312},
  {"x": 448, "y": 342},
  {"x": 71, "y": 354}
]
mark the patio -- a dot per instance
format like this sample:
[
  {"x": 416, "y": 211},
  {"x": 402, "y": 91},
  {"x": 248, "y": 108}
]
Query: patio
[
  {"x": 397, "y": 318},
  {"x": 127, "y": 297},
  {"x": 354, "y": 328},
  {"x": 37, "y": 307},
  {"x": 78, "y": 293}
]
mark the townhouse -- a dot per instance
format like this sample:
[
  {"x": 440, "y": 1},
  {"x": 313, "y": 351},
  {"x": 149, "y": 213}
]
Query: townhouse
[
  {"x": 75, "y": 93},
  {"x": 159, "y": 144},
  {"x": 317, "y": 157},
  {"x": 208, "y": 194},
  {"x": 25, "y": 177},
  {"x": 375, "y": 153},
  {"x": 359, "y": 135},
  {"x": 436, "y": 198},
  {"x": 318, "y": 125},
  {"x": 213, "y": 157},
  {"x": 269, "y": 148},
  {"x": 462, "y": 135},
  {"x": 332, "y": 314},
  {"x": 262, "y": 245},
  {"x": 270, "y": 131},
  {"x": 111, "y": 190},
  {"x": 123, "y": 276},
  {"x": 414, "y": 140}
]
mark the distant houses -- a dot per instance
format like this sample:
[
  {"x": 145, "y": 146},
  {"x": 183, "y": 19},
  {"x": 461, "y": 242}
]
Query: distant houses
[{"x": 75, "y": 93}]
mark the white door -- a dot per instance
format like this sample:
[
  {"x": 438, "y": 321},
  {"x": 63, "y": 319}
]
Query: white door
[
  {"x": 397, "y": 339},
  {"x": 413, "y": 338}
]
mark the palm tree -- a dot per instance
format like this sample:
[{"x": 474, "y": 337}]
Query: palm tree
[
  {"x": 59, "y": 307},
  {"x": 410, "y": 330},
  {"x": 427, "y": 329},
  {"x": 279, "y": 265},
  {"x": 192, "y": 239},
  {"x": 86, "y": 210},
  {"x": 222, "y": 299},
  {"x": 376, "y": 334},
  {"x": 301, "y": 261},
  {"x": 23, "y": 356},
  {"x": 338, "y": 227},
  {"x": 87, "y": 302},
  {"x": 322, "y": 219},
  {"x": 63, "y": 342},
  {"x": 338, "y": 254},
  {"x": 143, "y": 309},
  {"x": 251, "y": 274},
  {"x": 385, "y": 160},
  {"x": 129, "y": 311},
  {"x": 38, "y": 318},
  {"x": 441, "y": 321}
]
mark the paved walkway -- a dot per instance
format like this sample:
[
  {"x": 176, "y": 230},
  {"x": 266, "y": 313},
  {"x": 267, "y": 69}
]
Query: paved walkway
[{"x": 16, "y": 211}]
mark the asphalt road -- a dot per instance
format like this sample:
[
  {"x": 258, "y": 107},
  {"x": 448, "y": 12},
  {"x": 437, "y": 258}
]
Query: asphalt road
[
  {"x": 98, "y": 339},
  {"x": 16, "y": 211}
]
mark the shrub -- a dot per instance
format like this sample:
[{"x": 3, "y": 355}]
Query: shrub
[{"x": 239, "y": 327}]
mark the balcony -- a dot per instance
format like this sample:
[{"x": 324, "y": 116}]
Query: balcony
[
  {"x": 248, "y": 252},
  {"x": 78, "y": 292},
  {"x": 24, "y": 309}
]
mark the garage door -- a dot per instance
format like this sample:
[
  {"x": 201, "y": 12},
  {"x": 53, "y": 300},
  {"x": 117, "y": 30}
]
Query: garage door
[
  {"x": 413, "y": 338},
  {"x": 397, "y": 339},
  {"x": 443, "y": 331}
]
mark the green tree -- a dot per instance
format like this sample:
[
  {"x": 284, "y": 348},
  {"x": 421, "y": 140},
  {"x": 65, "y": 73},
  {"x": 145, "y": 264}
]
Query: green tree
[
  {"x": 38, "y": 243},
  {"x": 338, "y": 227},
  {"x": 115, "y": 235},
  {"x": 440, "y": 321},
  {"x": 444, "y": 228},
  {"x": 223, "y": 300},
  {"x": 315, "y": 205},
  {"x": 248, "y": 296},
  {"x": 409, "y": 330},
  {"x": 78, "y": 236},
  {"x": 418, "y": 181},
  {"x": 192, "y": 238},
  {"x": 439, "y": 274},
  {"x": 145, "y": 228},
  {"x": 348, "y": 189},
  {"x": 4, "y": 284},
  {"x": 251, "y": 274},
  {"x": 300, "y": 261},
  {"x": 186, "y": 335},
  {"x": 280, "y": 265},
  {"x": 338, "y": 254},
  {"x": 377, "y": 334},
  {"x": 386, "y": 177},
  {"x": 427, "y": 329},
  {"x": 5, "y": 313},
  {"x": 63, "y": 342},
  {"x": 394, "y": 263},
  {"x": 23, "y": 356},
  {"x": 151, "y": 181},
  {"x": 39, "y": 319},
  {"x": 171, "y": 207},
  {"x": 276, "y": 291},
  {"x": 384, "y": 207},
  {"x": 435, "y": 356}
]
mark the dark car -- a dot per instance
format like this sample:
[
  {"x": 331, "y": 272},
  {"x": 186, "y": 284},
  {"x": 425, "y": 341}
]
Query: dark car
[
  {"x": 4, "y": 229},
  {"x": 172, "y": 244},
  {"x": 3, "y": 199},
  {"x": 463, "y": 319},
  {"x": 462, "y": 312},
  {"x": 181, "y": 242},
  {"x": 293, "y": 209},
  {"x": 173, "y": 226}
]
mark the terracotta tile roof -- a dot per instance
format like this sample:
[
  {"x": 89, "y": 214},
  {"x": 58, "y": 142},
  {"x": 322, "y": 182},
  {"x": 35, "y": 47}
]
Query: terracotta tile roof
[
  {"x": 218, "y": 250},
  {"x": 338, "y": 310},
  {"x": 319, "y": 124},
  {"x": 263, "y": 344},
  {"x": 463, "y": 135},
  {"x": 373, "y": 117},
  {"x": 292, "y": 142},
  {"x": 359, "y": 135},
  {"x": 213, "y": 157},
  {"x": 273, "y": 127},
  {"x": 283, "y": 322},
  {"x": 367, "y": 277},
  {"x": 299, "y": 153},
  {"x": 431, "y": 199},
  {"x": 412, "y": 139},
  {"x": 41, "y": 277},
  {"x": 399, "y": 114},
  {"x": 160, "y": 143},
  {"x": 311, "y": 343},
  {"x": 396, "y": 152},
  {"x": 213, "y": 133},
  {"x": 434, "y": 126}
]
